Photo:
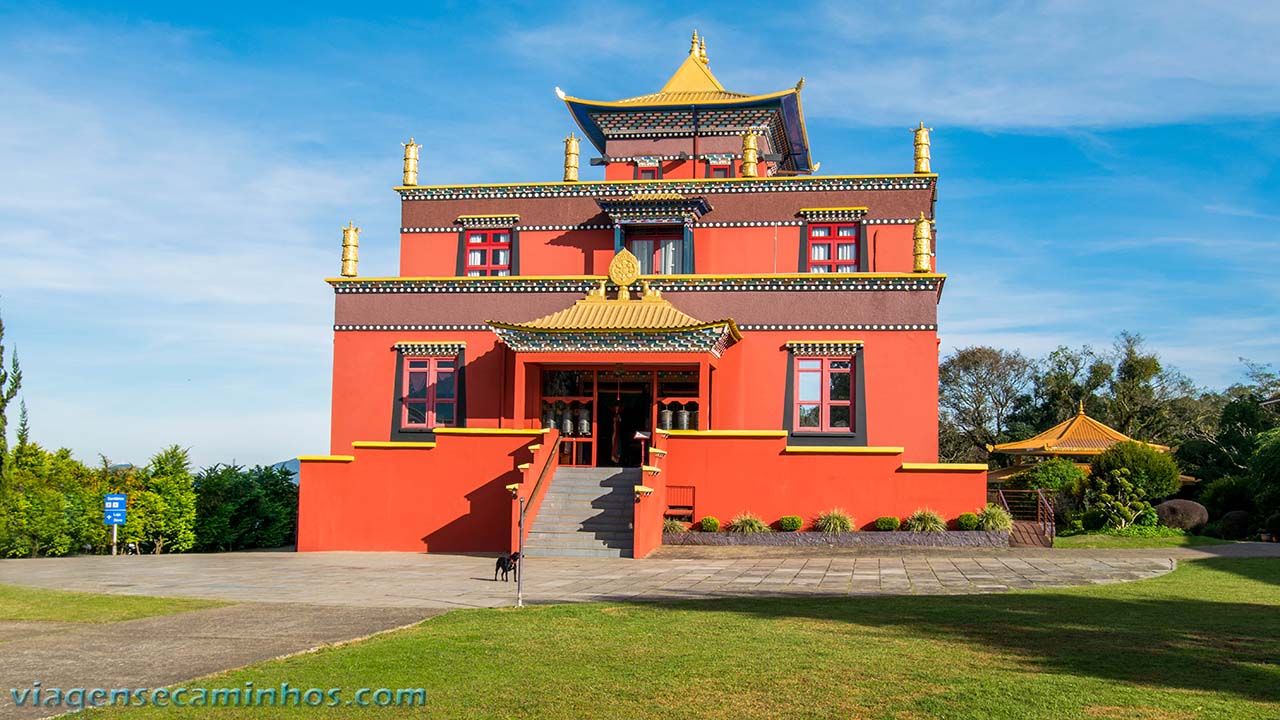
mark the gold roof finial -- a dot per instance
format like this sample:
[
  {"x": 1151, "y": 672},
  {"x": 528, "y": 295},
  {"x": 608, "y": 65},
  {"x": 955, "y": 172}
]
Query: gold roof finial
[
  {"x": 350, "y": 249},
  {"x": 411, "y": 162},
  {"x": 702, "y": 49},
  {"x": 1081, "y": 406},
  {"x": 571, "y": 158},
  {"x": 800, "y": 85},
  {"x": 624, "y": 270},
  {"x": 921, "y": 252},
  {"x": 693, "y": 46},
  {"x": 750, "y": 154},
  {"x": 922, "y": 147}
]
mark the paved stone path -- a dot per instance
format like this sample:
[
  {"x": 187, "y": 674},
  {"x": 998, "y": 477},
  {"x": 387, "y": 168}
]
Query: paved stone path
[{"x": 292, "y": 602}]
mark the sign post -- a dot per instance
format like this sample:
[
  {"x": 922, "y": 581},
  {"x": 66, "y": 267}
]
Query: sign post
[{"x": 113, "y": 514}]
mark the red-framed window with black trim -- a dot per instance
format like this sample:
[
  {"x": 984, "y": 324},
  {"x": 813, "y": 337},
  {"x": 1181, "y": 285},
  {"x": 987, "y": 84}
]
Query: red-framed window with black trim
[
  {"x": 430, "y": 393},
  {"x": 833, "y": 247},
  {"x": 824, "y": 394},
  {"x": 488, "y": 253},
  {"x": 650, "y": 172},
  {"x": 719, "y": 171}
]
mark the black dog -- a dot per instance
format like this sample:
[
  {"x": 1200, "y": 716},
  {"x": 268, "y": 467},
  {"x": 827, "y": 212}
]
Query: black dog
[{"x": 506, "y": 564}]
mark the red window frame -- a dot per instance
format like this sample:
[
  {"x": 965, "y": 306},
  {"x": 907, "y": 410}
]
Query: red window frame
[
  {"x": 422, "y": 402},
  {"x": 651, "y": 260},
  {"x": 488, "y": 243},
  {"x": 649, "y": 173},
  {"x": 825, "y": 240},
  {"x": 725, "y": 170},
  {"x": 823, "y": 370}
]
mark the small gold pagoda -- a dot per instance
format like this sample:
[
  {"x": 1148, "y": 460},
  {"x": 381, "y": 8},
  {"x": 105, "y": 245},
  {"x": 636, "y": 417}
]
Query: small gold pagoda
[{"x": 1078, "y": 437}]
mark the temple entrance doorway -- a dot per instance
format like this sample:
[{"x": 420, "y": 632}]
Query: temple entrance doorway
[{"x": 601, "y": 410}]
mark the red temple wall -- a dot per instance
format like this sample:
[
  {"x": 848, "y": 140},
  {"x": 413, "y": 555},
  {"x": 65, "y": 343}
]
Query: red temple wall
[
  {"x": 746, "y": 250},
  {"x": 429, "y": 254}
]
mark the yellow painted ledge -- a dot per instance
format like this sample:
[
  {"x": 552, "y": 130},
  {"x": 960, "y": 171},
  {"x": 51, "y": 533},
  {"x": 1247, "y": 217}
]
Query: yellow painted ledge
[
  {"x": 326, "y": 458},
  {"x": 657, "y": 451},
  {"x": 724, "y": 433},
  {"x": 844, "y": 450},
  {"x": 651, "y": 469},
  {"x": 534, "y": 447},
  {"x": 393, "y": 445},
  {"x": 944, "y": 467},
  {"x": 487, "y": 431},
  {"x": 524, "y": 466}
]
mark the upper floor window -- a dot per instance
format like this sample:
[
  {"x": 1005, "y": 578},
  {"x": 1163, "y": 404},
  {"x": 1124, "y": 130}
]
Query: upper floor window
[
  {"x": 648, "y": 173},
  {"x": 824, "y": 394},
  {"x": 658, "y": 255},
  {"x": 833, "y": 248},
  {"x": 488, "y": 253},
  {"x": 719, "y": 171},
  {"x": 430, "y": 392}
]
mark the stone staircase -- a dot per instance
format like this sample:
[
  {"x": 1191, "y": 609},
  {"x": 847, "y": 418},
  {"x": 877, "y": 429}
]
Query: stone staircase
[
  {"x": 587, "y": 512},
  {"x": 1028, "y": 533}
]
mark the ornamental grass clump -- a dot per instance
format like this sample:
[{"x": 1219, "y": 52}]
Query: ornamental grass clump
[
  {"x": 834, "y": 520},
  {"x": 924, "y": 520},
  {"x": 887, "y": 523},
  {"x": 790, "y": 523},
  {"x": 995, "y": 518},
  {"x": 672, "y": 526},
  {"x": 967, "y": 521},
  {"x": 747, "y": 524},
  {"x": 709, "y": 523}
]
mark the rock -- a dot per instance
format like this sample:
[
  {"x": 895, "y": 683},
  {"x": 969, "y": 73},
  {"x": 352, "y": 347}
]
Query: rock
[
  {"x": 1182, "y": 514},
  {"x": 1235, "y": 524}
]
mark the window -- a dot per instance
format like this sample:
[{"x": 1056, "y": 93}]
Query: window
[
  {"x": 488, "y": 253},
  {"x": 430, "y": 392},
  {"x": 717, "y": 171},
  {"x": 648, "y": 173},
  {"x": 658, "y": 255},
  {"x": 833, "y": 248},
  {"x": 824, "y": 395}
]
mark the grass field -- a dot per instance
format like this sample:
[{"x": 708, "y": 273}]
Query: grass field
[
  {"x": 25, "y": 603},
  {"x": 1201, "y": 642},
  {"x": 1109, "y": 542}
]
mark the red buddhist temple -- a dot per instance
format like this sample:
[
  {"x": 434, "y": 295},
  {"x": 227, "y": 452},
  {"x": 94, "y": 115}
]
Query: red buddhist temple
[{"x": 713, "y": 328}]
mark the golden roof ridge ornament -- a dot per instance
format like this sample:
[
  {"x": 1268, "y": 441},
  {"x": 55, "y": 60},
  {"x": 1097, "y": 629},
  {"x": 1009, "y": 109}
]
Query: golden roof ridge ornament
[
  {"x": 350, "y": 249},
  {"x": 922, "y": 147},
  {"x": 571, "y": 144},
  {"x": 624, "y": 270},
  {"x": 921, "y": 251},
  {"x": 693, "y": 44},
  {"x": 411, "y": 162},
  {"x": 702, "y": 50}
]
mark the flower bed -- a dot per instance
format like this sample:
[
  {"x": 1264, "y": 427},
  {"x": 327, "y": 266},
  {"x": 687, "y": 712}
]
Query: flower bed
[{"x": 952, "y": 538}]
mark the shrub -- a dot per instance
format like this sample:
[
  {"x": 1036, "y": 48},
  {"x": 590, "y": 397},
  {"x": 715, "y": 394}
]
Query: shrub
[
  {"x": 834, "y": 520},
  {"x": 1233, "y": 492},
  {"x": 1272, "y": 525},
  {"x": 1146, "y": 531},
  {"x": 672, "y": 526},
  {"x": 924, "y": 520},
  {"x": 888, "y": 523},
  {"x": 1055, "y": 475},
  {"x": 1094, "y": 519},
  {"x": 994, "y": 518},
  {"x": 790, "y": 523},
  {"x": 1153, "y": 474},
  {"x": 709, "y": 523},
  {"x": 1147, "y": 517},
  {"x": 1265, "y": 467},
  {"x": 1182, "y": 514},
  {"x": 747, "y": 524},
  {"x": 1116, "y": 497},
  {"x": 967, "y": 521}
]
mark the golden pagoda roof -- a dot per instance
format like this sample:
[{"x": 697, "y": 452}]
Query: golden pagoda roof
[
  {"x": 599, "y": 313},
  {"x": 1080, "y": 435}
]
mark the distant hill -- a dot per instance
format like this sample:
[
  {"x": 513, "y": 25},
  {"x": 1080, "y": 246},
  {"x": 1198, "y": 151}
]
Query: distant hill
[{"x": 293, "y": 466}]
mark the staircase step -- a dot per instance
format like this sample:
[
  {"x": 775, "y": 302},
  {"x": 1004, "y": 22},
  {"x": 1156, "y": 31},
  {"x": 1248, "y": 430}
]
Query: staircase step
[{"x": 579, "y": 552}]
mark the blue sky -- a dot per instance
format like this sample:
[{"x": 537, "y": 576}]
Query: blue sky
[{"x": 176, "y": 174}]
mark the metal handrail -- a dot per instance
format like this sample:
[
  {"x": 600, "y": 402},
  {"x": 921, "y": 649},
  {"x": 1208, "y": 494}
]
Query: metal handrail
[{"x": 542, "y": 476}]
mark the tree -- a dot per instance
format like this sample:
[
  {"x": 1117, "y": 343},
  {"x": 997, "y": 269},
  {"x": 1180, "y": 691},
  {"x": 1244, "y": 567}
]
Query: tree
[
  {"x": 1062, "y": 381},
  {"x": 979, "y": 389},
  {"x": 238, "y": 509},
  {"x": 10, "y": 382},
  {"x": 1149, "y": 401},
  {"x": 162, "y": 502},
  {"x": 1153, "y": 474}
]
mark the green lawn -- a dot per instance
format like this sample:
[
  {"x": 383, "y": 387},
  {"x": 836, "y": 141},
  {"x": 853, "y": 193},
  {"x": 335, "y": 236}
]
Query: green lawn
[
  {"x": 26, "y": 603},
  {"x": 1108, "y": 542},
  {"x": 1202, "y": 642}
]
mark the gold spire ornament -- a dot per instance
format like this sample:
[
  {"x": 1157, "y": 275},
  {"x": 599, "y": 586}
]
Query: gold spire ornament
[
  {"x": 750, "y": 155},
  {"x": 624, "y": 270},
  {"x": 702, "y": 49},
  {"x": 693, "y": 46},
  {"x": 571, "y": 158},
  {"x": 921, "y": 251},
  {"x": 411, "y": 162},
  {"x": 350, "y": 249},
  {"x": 922, "y": 148}
]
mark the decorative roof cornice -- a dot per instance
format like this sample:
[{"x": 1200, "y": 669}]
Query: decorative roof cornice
[
  {"x": 789, "y": 282},
  {"x": 653, "y": 207},
  {"x": 833, "y": 214},
  {"x": 501, "y": 220},
  {"x": 823, "y": 348},
  {"x": 444, "y": 346},
  {"x": 694, "y": 186}
]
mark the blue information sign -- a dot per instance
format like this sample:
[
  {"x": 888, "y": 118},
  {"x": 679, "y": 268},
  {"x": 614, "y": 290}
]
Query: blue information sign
[{"x": 113, "y": 509}]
